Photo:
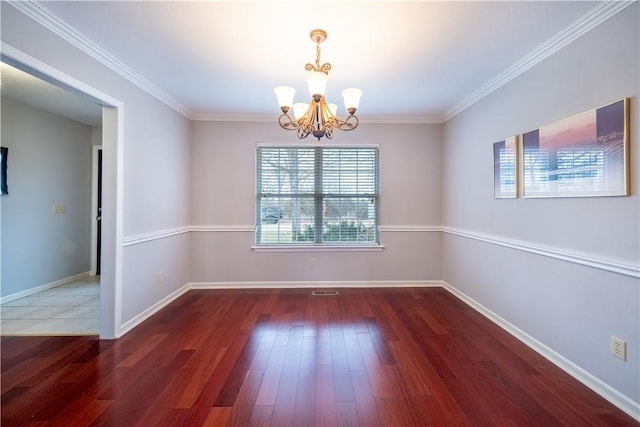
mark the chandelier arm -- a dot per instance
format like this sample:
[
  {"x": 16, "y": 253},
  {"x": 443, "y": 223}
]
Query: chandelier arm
[
  {"x": 314, "y": 116},
  {"x": 318, "y": 118},
  {"x": 325, "y": 68},
  {"x": 286, "y": 123},
  {"x": 326, "y": 111},
  {"x": 303, "y": 133},
  {"x": 329, "y": 134},
  {"x": 329, "y": 120},
  {"x": 304, "y": 125},
  {"x": 350, "y": 123}
]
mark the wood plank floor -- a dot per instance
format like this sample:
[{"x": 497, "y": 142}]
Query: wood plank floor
[{"x": 376, "y": 357}]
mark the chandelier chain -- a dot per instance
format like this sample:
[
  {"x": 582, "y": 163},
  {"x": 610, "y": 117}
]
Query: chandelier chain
[
  {"x": 325, "y": 68},
  {"x": 318, "y": 56}
]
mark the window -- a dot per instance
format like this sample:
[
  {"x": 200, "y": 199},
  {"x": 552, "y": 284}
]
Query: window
[{"x": 314, "y": 195}]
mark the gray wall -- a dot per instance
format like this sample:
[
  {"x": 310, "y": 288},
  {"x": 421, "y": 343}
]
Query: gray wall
[
  {"x": 571, "y": 308},
  {"x": 49, "y": 164},
  {"x": 155, "y": 168},
  {"x": 223, "y": 208}
]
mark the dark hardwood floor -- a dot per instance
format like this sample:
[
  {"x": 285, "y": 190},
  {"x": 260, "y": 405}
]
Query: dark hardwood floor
[{"x": 377, "y": 357}]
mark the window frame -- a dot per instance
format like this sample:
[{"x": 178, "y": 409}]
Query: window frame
[{"x": 346, "y": 246}]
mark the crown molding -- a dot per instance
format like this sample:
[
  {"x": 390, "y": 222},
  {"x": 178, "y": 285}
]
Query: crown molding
[
  {"x": 585, "y": 23},
  {"x": 217, "y": 117},
  {"x": 273, "y": 118},
  {"x": 46, "y": 18},
  {"x": 419, "y": 120}
]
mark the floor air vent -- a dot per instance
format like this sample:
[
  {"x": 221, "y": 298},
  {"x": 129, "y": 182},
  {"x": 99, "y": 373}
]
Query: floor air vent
[{"x": 324, "y": 293}]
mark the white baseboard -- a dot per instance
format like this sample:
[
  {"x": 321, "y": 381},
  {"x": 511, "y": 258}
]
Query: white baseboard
[
  {"x": 130, "y": 324},
  {"x": 137, "y": 320},
  {"x": 318, "y": 284},
  {"x": 31, "y": 291},
  {"x": 603, "y": 389}
]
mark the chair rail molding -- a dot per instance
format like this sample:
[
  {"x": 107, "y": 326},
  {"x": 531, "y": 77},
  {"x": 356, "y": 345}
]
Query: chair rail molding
[{"x": 556, "y": 253}]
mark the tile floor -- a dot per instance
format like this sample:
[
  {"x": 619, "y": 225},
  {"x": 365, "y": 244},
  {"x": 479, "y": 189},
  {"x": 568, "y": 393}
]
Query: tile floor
[{"x": 69, "y": 309}]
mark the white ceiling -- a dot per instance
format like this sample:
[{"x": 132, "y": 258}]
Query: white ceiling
[
  {"x": 424, "y": 60},
  {"x": 30, "y": 90}
]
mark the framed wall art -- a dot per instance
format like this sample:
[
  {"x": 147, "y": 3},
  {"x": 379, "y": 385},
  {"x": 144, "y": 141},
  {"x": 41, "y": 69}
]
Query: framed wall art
[
  {"x": 505, "y": 168},
  {"x": 585, "y": 155}
]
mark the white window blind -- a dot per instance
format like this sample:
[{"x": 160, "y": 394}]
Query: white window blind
[{"x": 315, "y": 195}]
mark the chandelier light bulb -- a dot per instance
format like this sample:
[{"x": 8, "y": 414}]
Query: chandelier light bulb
[
  {"x": 284, "y": 94},
  {"x": 351, "y": 99},
  {"x": 317, "y": 82},
  {"x": 299, "y": 109}
]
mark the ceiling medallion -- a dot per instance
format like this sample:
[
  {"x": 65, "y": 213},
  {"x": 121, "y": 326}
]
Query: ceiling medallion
[{"x": 318, "y": 117}]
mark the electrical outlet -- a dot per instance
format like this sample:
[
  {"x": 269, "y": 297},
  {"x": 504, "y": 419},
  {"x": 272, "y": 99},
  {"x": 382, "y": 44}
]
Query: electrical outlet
[
  {"x": 159, "y": 278},
  {"x": 619, "y": 348},
  {"x": 312, "y": 262}
]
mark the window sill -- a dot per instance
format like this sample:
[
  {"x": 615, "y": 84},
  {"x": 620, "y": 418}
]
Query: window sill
[{"x": 317, "y": 248}]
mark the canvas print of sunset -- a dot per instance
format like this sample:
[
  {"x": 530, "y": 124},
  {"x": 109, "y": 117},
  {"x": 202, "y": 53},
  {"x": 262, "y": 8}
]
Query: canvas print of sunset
[{"x": 583, "y": 155}]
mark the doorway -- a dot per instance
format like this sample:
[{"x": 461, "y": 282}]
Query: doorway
[{"x": 110, "y": 254}]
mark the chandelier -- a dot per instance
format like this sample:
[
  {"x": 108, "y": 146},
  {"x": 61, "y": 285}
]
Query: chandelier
[{"x": 318, "y": 117}]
